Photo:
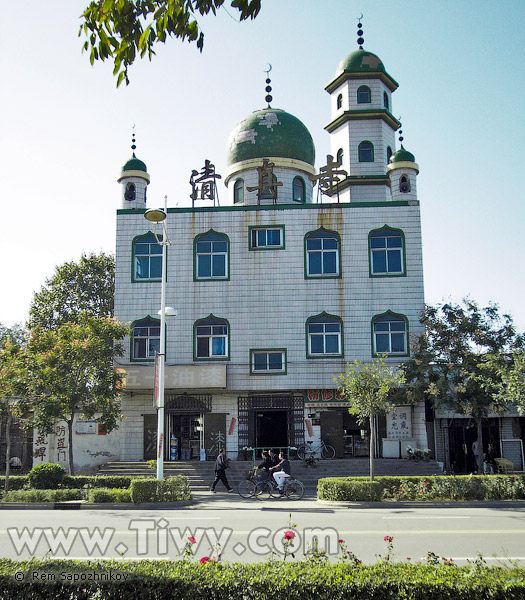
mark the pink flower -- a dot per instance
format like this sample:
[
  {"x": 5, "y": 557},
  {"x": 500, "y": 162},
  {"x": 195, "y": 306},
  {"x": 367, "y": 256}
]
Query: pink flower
[
  {"x": 388, "y": 538},
  {"x": 340, "y": 541},
  {"x": 289, "y": 535},
  {"x": 192, "y": 540},
  {"x": 204, "y": 559}
]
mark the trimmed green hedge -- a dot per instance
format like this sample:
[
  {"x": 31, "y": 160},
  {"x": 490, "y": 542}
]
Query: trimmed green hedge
[
  {"x": 163, "y": 580},
  {"x": 97, "y": 481},
  {"x": 171, "y": 489},
  {"x": 432, "y": 488},
  {"x": 43, "y": 495},
  {"x": 99, "y": 495}
]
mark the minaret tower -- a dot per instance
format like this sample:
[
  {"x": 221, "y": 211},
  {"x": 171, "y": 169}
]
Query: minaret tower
[
  {"x": 362, "y": 129},
  {"x": 134, "y": 179},
  {"x": 402, "y": 171}
]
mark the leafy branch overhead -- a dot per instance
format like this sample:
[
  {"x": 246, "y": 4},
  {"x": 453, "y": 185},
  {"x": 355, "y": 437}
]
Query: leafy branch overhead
[{"x": 121, "y": 30}]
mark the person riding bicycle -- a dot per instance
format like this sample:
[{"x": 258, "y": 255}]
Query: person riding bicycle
[
  {"x": 263, "y": 468},
  {"x": 282, "y": 472},
  {"x": 274, "y": 457}
]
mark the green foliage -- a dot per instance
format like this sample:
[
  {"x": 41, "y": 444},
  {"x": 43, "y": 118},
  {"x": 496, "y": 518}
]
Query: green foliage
[
  {"x": 76, "y": 290},
  {"x": 100, "y": 495},
  {"x": 16, "y": 482},
  {"x": 17, "y": 334},
  {"x": 317, "y": 580},
  {"x": 96, "y": 481},
  {"x": 432, "y": 488},
  {"x": 46, "y": 476},
  {"x": 171, "y": 489},
  {"x": 41, "y": 495},
  {"x": 125, "y": 29}
]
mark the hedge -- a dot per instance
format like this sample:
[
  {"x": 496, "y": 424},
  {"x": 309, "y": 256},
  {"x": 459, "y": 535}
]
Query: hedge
[
  {"x": 419, "y": 488},
  {"x": 99, "y": 495},
  {"x": 163, "y": 580},
  {"x": 171, "y": 489},
  {"x": 43, "y": 495}
]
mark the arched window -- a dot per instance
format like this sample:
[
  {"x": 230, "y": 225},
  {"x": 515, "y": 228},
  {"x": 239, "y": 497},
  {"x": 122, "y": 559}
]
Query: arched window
[
  {"x": 366, "y": 152},
  {"x": 145, "y": 339},
  {"x": 387, "y": 252},
  {"x": 211, "y": 339},
  {"x": 388, "y": 154},
  {"x": 364, "y": 95},
  {"x": 322, "y": 254},
  {"x": 238, "y": 191},
  {"x": 325, "y": 338},
  {"x": 270, "y": 192},
  {"x": 211, "y": 256},
  {"x": 404, "y": 184},
  {"x": 340, "y": 155},
  {"x": 389, "y": 334},
  {"x": 339, "y": 101},
  {"x": 299, "y": 190},
  {"x": 147, "y": 258},
  {"x": 386, "y": 103},
  {"x": 130, "y": 193}
]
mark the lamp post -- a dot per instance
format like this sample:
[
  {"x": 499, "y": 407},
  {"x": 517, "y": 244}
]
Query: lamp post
[{"x": 155, "y": 216}]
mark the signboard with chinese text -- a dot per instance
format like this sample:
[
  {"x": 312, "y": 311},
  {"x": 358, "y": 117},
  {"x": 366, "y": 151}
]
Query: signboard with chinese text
[
  {"x": 142, "y": 377},
  {"x": 399, "y": 423}
]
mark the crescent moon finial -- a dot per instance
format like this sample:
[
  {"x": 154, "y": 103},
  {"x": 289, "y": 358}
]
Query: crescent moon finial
[
  {"x": 268, "y": 69},
  {"x": 359, "y": 18}
]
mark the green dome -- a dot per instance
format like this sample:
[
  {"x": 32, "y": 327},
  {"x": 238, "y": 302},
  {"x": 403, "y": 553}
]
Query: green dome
[
  {"x": 360, "y": 61},
  {"x": 135, "y": 164},
  {"x": 402, "y": 155},
  {"x": 270, "y": 132}
]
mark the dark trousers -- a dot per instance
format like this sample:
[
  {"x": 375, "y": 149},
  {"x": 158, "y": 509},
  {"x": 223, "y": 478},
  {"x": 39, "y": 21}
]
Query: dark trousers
[{"x": 220, "y": 475}]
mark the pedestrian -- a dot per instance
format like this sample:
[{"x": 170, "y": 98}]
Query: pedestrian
[{"x": 220, "y": 472}]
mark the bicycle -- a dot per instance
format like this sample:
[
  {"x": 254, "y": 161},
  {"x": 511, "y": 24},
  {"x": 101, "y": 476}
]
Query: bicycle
[
  {"x": 251, "y": 487},
  {"x": 309, "y": 450}
]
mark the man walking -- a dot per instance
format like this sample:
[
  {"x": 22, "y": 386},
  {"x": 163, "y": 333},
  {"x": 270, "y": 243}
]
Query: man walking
[{"x": 220, "y": 472}]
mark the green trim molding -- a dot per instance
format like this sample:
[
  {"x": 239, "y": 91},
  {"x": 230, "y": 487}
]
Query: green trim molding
[
  {"x": 265, "y": 248},
  {"x": 270, "y": 373},
  {"x": 365, "y": 114}
]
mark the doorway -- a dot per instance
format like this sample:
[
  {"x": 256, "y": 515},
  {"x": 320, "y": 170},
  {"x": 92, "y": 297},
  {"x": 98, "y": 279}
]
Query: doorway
[{"x": 271, "y": 428}]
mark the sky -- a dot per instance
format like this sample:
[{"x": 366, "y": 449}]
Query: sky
[{"x": 65, "y": 129}]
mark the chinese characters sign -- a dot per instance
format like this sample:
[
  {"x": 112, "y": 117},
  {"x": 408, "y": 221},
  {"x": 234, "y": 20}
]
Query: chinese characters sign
[
  {"x": 176, "y": 377},
  {"x": 399, "y": 423}
]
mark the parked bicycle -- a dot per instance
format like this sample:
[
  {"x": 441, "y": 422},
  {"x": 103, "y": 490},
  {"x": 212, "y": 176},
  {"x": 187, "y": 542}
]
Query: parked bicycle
[
  {"x": 308, "y": 450},
  {"x": 251, "y": 487}
]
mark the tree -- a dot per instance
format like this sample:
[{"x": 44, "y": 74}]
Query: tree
[
  {"x": 14, "y": 401},
  {"x": 71, "y": 371},
  {"x": 450, "y": 360},
  {"x": 367, "y": 387},
  {"x": 511, "y": 372},
  {"x": 16, "y": 333},
  {"x": 75, "y": 290},
  {"x": 124, "y": 29}
]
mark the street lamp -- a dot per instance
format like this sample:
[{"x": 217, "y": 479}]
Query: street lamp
[{"x": 155, "y": 216}]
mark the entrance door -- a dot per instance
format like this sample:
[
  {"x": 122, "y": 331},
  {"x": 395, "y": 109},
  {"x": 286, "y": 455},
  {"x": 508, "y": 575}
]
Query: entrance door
[
  {"x": 332, "y": 430},
  {"x": 150, "y": 437},
  {"x": 271, "y": 429}
]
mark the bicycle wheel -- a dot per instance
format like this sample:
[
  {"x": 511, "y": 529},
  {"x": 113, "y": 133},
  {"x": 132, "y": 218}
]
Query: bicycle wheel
[
  {"x": 246, "y": 488},
  {"x": 294, "y": 489},
  {"x": 328, "y": 452},
  {"x": 303, "y": 452},
  {"x": 263, "y": 490}
]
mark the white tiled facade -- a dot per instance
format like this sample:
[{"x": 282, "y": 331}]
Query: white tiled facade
[{"x": 268, "y": 297}]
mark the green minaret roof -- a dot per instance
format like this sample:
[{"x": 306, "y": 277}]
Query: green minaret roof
[
  {"x": 360, "y": 61},
  {"x": 402, "y": 155},
  {"x": 270, "y": 132},
  {"x": 135, "y": 164}
]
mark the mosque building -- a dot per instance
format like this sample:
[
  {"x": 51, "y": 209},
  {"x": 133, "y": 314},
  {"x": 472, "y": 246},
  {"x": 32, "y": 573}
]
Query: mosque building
[{"x": 302, "y": 270}]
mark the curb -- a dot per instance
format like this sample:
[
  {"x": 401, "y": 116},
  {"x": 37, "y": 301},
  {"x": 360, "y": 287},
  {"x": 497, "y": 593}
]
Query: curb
[
  {"x": 74, "y": 505},
  {"x": 417, "y": 504}
]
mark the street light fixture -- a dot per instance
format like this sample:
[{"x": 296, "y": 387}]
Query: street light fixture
[{"x": 156, "y": 216}]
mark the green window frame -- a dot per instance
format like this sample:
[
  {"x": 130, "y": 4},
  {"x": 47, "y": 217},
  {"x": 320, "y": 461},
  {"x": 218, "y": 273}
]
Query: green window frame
[
  {"x": 322, "y": 254},
  {"x": 298, "y": 190},
  {"x": 268, "y": 361},
  {"x": 269, "y": 237},
  {"x": 145, "y": 339},
  {"x": 366, "y": 151},
  {"x": 364, "y": 95},
  {"x": 324, "y": 336},
  {"x": 386, "y": 252},
  {"x": 211, "y": 339},
  {"x": 390, "y": 334},
  {"x": 238, "y": 191},
  {"x": 211, "y": 252},
  {"x": 386, "y": 102},
  {"x": 146, "y": 258}
]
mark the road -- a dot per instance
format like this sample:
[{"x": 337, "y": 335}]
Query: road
[{"x": 249, "y": 531}]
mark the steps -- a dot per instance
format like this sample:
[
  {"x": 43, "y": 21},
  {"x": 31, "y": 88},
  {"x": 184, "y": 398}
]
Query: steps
[{"x": 201, "y": 474}]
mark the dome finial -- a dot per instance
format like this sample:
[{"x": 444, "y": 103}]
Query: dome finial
[
  {"x": 133, "y": 146},
  {"x": 360, "y": 39},
  {"x": 268, "y": 87},
  {"x": 401, "y": 138}
]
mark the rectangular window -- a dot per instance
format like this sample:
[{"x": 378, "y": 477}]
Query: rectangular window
[
  {"x": 390, "y": 336},
  {"x": 268, "y": 362},
  {"x": 386, "y": 253},
  {"x": 322, "y": 254},
  {"x": 212, "y": 341},
  {"x": 266, "y": 238},
  {"x": 324, "y": 338}
]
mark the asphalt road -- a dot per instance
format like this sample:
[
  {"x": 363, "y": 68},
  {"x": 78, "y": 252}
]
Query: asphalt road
[{"x": 249, "y": 531}]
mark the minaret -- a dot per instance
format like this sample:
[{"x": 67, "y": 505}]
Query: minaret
[
  {"x": 134, "y": 179},
  {"x": 402, "y": 171},
  {"x": 362, "y": 129}
]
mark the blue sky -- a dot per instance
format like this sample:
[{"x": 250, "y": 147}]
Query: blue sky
[{"x": 66, "y": 129}]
